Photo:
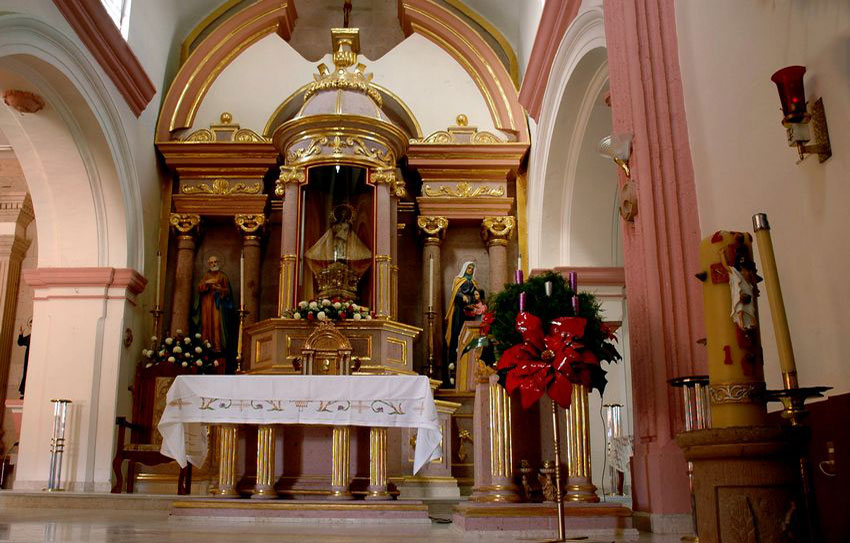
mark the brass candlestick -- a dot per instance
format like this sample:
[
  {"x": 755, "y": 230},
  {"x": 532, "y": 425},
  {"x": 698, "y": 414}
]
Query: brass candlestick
[
  {"x": 430, "y": 315},
  {"x": 242, "y": 315},
  {"x": 157, "y": 320}
]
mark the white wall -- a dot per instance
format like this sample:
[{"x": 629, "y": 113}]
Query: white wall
[
  {"x": 728, "y": 50},
  {"x": 426, "y": 78}
]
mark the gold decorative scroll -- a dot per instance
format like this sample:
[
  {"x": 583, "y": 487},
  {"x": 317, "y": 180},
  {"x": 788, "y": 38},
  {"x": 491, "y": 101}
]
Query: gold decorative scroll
[
  {"x": 225, "y": 132},
  {"x": 390, "y": 177},
  {"x": 288, "y": 174},
  {"x": 464, "y": 190},
  {"x": 346, "y": 45},
  {"x": 497, "y": 228},
  {"x": 434, "y": 227},
  {"x": 337, "y": 145},
  {"x": 184, "y": 222},
  {"x": 461, "y": 133},
  {"x": 249, "y": 223},
  {"x": 223, "y": 187}
]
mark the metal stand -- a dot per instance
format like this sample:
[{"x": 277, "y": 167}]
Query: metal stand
[
  {"x": 559, "y": 495},
  {"x": 697, "y": 417},
  {"x": 157, "y": 319},
  {"x": 430, "y": 315},
  {"x": 242, "y": 315},
  {"x": 57, "y": 445},
  {"x": 793, "y": 399}
]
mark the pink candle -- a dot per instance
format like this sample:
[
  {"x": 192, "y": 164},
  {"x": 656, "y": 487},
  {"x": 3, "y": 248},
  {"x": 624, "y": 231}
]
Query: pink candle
[
  {"x": 518, "y": 273},
  {"x": 522, "y": 301}
]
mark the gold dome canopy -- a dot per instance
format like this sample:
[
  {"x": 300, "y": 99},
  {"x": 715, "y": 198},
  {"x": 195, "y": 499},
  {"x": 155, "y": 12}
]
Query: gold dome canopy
[{"x": 341, "y": 120}]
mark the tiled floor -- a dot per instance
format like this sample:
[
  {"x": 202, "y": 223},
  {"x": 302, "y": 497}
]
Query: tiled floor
[{"x": 102, "y": 526}]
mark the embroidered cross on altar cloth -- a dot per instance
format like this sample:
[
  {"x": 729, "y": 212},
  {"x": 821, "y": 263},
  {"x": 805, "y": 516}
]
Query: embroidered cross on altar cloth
[{"x": 197, "y": 401}]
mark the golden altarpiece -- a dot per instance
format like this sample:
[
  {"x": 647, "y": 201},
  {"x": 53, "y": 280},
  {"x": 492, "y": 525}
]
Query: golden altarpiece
[{"x": 341, "y": 197}]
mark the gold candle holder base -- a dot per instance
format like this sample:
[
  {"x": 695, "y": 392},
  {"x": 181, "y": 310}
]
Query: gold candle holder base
[
  {"x": 242, "y": 315},
  {"x": 794, "y": 401}
]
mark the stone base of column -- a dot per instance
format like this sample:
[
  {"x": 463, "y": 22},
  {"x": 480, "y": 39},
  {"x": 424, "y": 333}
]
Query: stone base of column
[
  {"x": 432, "y": 487},
  {"x": 746, "y": 481},
  {"x": 581, "y": 489}
]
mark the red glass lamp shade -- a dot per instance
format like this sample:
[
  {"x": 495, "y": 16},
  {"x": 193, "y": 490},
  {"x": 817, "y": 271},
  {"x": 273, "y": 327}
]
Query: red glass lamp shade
[{"x": 792, "y": 93}]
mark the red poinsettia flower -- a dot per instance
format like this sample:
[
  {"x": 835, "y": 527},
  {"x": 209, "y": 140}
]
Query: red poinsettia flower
[
  {"x": 546, "y": 363},
  {"x": 486, "y": 321}
]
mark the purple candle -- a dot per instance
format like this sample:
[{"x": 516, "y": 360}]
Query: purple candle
[
  {"x": 573, "y": 279},
  {"x": 522, "y": 301}
]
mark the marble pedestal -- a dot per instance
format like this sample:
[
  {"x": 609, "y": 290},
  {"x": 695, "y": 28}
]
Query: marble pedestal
[{"x": 746, "y": 484}]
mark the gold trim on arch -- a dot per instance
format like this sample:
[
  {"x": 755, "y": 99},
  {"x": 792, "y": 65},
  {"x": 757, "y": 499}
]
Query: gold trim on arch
[
  {"x": 470, "y": 69},
  {"x": 199, "y": 29},
  {"x": 495, "y": 33}
]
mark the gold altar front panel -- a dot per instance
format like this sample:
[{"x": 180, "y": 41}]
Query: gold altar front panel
[{"x": 382, "y": 347}]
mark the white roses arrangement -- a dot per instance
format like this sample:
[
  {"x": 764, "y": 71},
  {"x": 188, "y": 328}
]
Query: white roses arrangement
[
  {"x": 184, "y": 351},
  {"x": 328, "y": 309}
]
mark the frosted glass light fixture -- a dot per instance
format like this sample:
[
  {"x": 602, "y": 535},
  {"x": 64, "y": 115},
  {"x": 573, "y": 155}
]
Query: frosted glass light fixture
[{"x": 617, "y": 147}]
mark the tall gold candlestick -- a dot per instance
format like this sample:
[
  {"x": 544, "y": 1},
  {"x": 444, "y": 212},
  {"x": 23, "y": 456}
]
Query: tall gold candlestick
[{"x": 774, "y": 298}]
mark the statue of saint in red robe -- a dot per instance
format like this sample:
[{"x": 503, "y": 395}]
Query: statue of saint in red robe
[{"x": 214, "y": 306}]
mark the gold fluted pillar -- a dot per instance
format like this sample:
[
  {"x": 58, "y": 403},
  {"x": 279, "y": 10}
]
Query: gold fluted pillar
[
  {"x": 378, "y": 465},
  {"x": 264, "y": 487},
  {"x": 496, "y": 231},
  {"x": 502, "y": 487},
  {"x": 340, "y": 463},
  {"x": 227, "y": 440},
  {"x": 186, "y": 226},
  {"x": 580, "y": 487},
  {"x": 383, "y": 276},
  {"x": 286, "y": 292}
]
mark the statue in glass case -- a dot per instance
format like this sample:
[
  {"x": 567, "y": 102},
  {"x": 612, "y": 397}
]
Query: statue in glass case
[{"x": 339, "y": 258}]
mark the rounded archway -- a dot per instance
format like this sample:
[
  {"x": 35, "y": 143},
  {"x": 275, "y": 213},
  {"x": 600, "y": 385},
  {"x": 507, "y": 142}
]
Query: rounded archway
[{"x": 79, "y": 171}]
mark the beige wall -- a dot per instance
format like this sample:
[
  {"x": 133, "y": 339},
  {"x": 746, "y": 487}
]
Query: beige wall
[{"x": 728, "y": 50}]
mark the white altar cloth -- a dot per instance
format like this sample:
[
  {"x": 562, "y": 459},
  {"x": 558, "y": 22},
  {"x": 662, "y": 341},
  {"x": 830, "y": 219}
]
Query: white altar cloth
[{"x": 196, "y": 401}]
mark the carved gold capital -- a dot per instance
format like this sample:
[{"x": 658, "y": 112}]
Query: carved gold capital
[
  {"x": 390, "y": 177},
  {"x": 289, "y": 174},
  {"x": 184, "y": 223},
  {"x": 497, "y": 230},
  {"x": 434, "y": 228},
  {"x": 250, "y": 223}
]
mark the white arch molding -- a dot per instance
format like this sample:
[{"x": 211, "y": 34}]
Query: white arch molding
[
  {"x": 47, "y": 59},
  {"x": 585, "y": 35}
]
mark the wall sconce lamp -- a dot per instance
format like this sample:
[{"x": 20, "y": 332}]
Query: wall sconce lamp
[
  {"x": 618, "y": 147},
  {"x": 799, "y": 119}
]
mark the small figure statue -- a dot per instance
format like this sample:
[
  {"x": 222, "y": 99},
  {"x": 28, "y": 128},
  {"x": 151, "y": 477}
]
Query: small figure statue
[
  {"x": 529, "y": 492},
  {"x": 547, "y": 481},
  {"x": 475, "y": 310},
  {"x": 24, "y": 341},
  {"x": 213, "y": 307},
  {"x": 339, "y": 258}
]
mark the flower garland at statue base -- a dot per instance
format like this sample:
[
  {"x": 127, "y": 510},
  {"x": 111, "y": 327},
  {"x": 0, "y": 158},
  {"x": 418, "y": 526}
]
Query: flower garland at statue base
[
  {"x": 328, "y": 309},
  {"x": 188, "y": 352}
]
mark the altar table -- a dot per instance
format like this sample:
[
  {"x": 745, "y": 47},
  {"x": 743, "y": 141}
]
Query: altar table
[{"x": 376, "y": 401}]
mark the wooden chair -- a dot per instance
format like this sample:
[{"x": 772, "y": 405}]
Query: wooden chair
[{"x": 149, "y": 390}]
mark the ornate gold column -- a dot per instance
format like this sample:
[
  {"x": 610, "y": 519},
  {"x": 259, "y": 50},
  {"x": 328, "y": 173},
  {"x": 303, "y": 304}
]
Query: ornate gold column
[
  {"x": 340, "y": 460},
  {"x": 16, "y": 213},
  {"x": 186, "y": 226},
  {"x": 264, "y": 487},
  {"x": 580, "y": 487},
  {"x": 502, "y": 487},
  {"x": 290, "y": 179},
  {"x": 227, "y": 439},
  {"x": 496, "y": 231},
  {"x": 378, "y": 465},
  {"x": 251, "y": 227},
  {"x": 434, "y": 232}
]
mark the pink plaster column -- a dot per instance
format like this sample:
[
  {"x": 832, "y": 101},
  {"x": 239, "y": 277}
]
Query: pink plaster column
[
  {"x": 291, "y": 178},
  {"x": 382, "y": 179},
  {"x": 434, "y": 232},
  {"x": 251, "y": 226},
  {"x": 186, "y": 226},
  {"x": 661, "y": 245},
  {"x": 496, "y": 232}
]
